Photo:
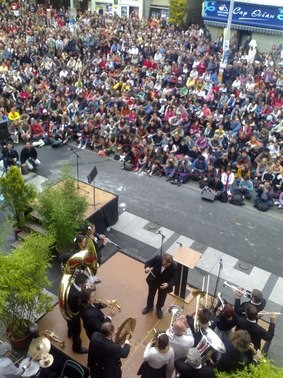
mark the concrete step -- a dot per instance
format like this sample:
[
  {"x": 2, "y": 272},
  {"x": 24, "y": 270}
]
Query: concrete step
[
  {"x": 36, "y": 216},
  {"x": 22, "y": 235},
  {"x": 36, "y": 227},
  {"x": 16, "y": 244}
]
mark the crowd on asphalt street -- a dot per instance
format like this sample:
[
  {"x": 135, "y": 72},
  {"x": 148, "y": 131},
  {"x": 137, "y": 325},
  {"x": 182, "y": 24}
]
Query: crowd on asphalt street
[{"x": 152, "y": 95}]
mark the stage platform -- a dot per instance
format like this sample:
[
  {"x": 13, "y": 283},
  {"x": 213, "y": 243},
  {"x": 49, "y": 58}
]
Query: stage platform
[
  {"x": 123, "y": 279},
  {"x": 104, "y": 212}
]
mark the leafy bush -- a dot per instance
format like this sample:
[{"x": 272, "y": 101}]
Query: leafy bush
[
  {"x": 22, "y": 280},
  {"x": 17, "y": 195},
  {"x": 62, "y": 209},
  {"x": 264, "y": 369}
]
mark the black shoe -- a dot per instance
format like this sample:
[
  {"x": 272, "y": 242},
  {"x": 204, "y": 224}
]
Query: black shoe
[
  {"x": 146, "y": 310},
  {"x": 80, "y": 350},
  {"x": 159, "y": 313}
]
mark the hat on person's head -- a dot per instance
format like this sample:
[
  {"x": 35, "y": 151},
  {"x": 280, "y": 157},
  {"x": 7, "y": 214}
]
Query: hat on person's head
[
  {"x": 193, "y": 357},
  {"x": 4, "y": 348}
]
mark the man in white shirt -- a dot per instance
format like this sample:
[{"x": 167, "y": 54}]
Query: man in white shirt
[
  {"x": 7, "y": 367},
  {"x": 180, "y": 338}
]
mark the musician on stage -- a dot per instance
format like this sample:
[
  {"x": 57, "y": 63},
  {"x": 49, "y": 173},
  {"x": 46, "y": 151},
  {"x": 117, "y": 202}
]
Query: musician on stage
[
  {"x": 158, "y": 358},
  {"x": 162, "y": 276},
  {"x": 104, "y": 355},
  {"x": 192, "y": 367},
  {"x": 180, "y": 337},
  {"x": 74, "y": 325},
  {"x": 91, "y": 314},
  {"x": 83, "y": 243},
  {"x": 205, "y": 319},
  {"x": 256, "y": 299},
  {"x": 100, "y": 241},
  {"x": 225, "y": 321},
  {"x": 258, "y": 333},
  {"x": 238, "y": 352},
  {"x": 7, "y": 367}
]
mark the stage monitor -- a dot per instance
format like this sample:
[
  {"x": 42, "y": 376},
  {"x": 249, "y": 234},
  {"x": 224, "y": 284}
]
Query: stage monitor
[
  {"x": 92, "y": 175},
  {"x": 4, "y": 132}
]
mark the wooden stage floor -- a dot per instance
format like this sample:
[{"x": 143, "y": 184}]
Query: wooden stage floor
[{"x": 123, "y": 279}]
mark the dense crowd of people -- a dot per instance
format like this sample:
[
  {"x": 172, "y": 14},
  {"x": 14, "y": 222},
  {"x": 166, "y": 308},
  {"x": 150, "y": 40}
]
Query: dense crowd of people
[{"x": 148, "y": 93}]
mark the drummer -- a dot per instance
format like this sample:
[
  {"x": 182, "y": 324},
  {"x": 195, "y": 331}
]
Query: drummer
[{"x": 7, "y": 367}]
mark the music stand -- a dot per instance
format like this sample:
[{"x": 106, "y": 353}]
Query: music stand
[{"x": 90, "y": 179}]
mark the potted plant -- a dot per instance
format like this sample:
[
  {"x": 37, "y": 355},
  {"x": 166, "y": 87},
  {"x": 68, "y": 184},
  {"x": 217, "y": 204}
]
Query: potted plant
[
  {"x": 22, "y": 280},
  {"x": 17, "y": 195},
  {"x": 62, "y": 209},
  {"x": 263, "y": 369}
]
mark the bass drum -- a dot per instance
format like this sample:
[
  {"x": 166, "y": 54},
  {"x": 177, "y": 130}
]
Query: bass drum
[{"x": 33, "y": 370}]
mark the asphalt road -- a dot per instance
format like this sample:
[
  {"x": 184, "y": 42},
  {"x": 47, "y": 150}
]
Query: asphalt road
[{"x": 241, "y": 232}]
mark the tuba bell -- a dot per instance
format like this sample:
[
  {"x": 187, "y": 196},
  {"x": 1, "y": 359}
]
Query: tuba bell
[
  {"x": 209, "y": 341},
  {"x": 84, "y": 261}
]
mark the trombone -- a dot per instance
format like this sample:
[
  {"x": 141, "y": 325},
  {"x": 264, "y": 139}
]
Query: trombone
[
  {"x": 113, "y": 304},
  {"x": 237, "y": 289}
]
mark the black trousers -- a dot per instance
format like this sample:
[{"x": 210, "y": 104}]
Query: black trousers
[
  {"x": 74, "y": 328},
  {"x": 161, "y": 295}
]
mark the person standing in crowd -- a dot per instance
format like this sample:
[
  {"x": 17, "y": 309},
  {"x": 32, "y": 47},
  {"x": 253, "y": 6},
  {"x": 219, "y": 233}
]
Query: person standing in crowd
[
  {"x": 104, "y": 354},
  {"x": 256, "y": 299},
  {"x": 191, "y": 366},
  {"x": 162, "y": 276},
  {"x": 74, "y": 324},
  {"x": 29, "y": 157},
  {"x": 158, "y": 358},
  {"x": 91, "y": 314},
  {"x": 7, "y": 367}
]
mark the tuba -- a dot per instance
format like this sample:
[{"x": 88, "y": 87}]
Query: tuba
[
  {"x": 210, "y": 341},
  {"x": 84, "y": 261}
]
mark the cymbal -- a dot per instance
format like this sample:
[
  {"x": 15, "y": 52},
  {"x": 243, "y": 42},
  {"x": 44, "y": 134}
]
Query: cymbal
[
  {"x": 128, "y": 326},
  {"x": 46, "y": 360},
  {"x": 39, "y": 346}
]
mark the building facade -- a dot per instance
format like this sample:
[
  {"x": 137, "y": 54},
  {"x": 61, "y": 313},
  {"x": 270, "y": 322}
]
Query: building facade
[{"x": 260, "y": 20}]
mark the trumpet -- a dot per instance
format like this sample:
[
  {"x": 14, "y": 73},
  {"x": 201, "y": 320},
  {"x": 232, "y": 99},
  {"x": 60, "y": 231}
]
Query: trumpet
[
  {"x": 175, "y": 312},
  {"x": 113, "y": 304},
  {"x": 236, "y": 289},
  {"x": 52, "y": 336},
  {"x": 263, "y": 313}
]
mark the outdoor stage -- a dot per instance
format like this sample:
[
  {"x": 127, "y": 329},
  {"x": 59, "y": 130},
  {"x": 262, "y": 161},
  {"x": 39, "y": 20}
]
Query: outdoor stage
[{"x": 123, "y": 279}]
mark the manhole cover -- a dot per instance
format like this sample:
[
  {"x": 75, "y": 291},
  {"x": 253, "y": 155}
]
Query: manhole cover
[
  {"x": 244, "y": 267},
  {"x": 152, "y": 227},
  {"x": 198, "y": 246}
]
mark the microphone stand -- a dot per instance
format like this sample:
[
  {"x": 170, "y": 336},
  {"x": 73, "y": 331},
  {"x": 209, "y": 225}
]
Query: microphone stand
[
  {"x": 77, "y": 157},
  {"x": 217, "y": 281},
  {"x": 162, "y": 241}
]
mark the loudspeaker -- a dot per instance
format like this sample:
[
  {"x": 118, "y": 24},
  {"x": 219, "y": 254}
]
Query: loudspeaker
[
  {"x": 92, "y": 175},
  {"x": 4, "y": 132}
]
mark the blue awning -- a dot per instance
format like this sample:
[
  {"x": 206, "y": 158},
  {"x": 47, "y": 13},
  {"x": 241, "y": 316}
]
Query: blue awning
[{"x": 244, "y": 27}]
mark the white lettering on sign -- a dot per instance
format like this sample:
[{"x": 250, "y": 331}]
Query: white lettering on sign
[{"x": 257, "y": 13}]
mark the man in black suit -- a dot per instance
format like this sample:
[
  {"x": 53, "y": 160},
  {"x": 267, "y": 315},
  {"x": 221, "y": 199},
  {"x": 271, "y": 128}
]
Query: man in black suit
[
  {"x": 74, "y": 325},
  {"x": 256, "y": 299},
  {"x": 104, "y": 355},
  {"x": 92, "y": 316},
  {"x": 258, "y": 333},
  {"x": 162, "y": 276}
]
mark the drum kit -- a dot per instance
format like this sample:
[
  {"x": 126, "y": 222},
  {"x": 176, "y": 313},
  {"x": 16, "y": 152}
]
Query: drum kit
[{"x": 38, "y": 357}]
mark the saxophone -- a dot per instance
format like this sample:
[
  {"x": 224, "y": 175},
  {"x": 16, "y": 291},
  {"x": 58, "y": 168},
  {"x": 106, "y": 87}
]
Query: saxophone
[{"x": 84, "y": 261}]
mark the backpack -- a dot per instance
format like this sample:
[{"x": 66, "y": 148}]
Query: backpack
[
  {"x": 237, "y": 199},
  {"x": 223, "y": 197},
  {"x": 261, "y": 206}
]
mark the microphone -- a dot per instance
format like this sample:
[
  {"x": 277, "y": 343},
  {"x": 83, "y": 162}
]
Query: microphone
[
  {"x": 179, "y": 243},
  {"x": 221, "y": 263},
  {"x": 160, "y": 233}
]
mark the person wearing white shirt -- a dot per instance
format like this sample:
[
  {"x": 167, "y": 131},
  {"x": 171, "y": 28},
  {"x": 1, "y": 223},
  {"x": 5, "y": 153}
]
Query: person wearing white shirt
[{"x": 180, "y": 338}]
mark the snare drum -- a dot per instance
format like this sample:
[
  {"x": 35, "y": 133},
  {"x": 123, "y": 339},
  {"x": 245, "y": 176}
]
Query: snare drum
[{"x": 32, "y": 370}]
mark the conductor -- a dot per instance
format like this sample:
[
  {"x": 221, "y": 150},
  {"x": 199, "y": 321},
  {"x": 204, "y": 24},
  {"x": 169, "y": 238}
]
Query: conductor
[{"x": 162, "y": 276}]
